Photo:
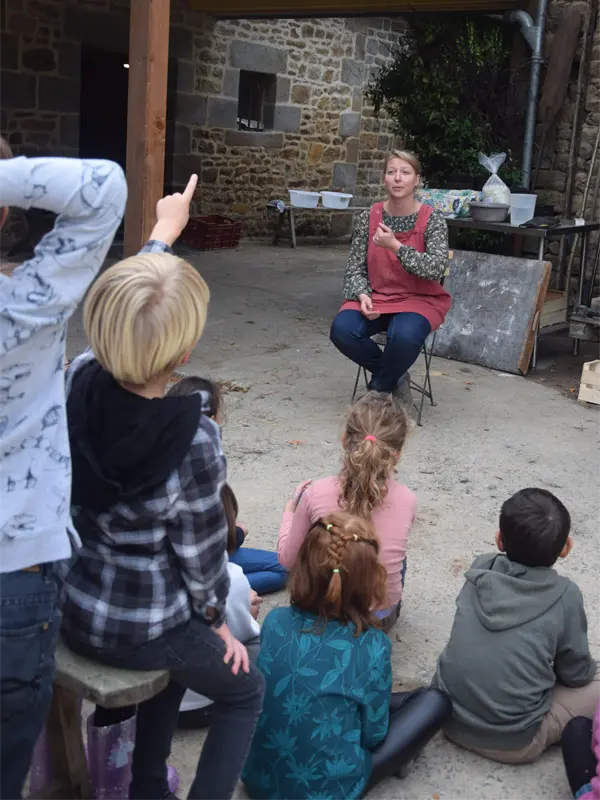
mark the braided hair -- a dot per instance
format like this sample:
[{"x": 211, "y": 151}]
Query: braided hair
[{"x": 337, "y": 574}]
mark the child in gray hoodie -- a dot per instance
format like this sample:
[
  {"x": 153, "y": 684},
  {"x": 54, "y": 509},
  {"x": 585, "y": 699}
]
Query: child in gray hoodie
[{"x": 518, "y": 664}]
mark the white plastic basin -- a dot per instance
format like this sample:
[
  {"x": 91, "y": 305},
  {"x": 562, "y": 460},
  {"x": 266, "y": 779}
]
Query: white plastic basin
[
  {"x": 336, "y": 199},
  {"x": 303, "y": 199}
]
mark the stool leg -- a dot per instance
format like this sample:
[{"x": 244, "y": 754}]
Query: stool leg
[
  {"x": 356, "y": 384},
  {"x": 69, "y": 764}
]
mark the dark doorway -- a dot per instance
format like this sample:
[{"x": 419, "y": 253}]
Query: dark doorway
[{"x": 103, "y": 110}]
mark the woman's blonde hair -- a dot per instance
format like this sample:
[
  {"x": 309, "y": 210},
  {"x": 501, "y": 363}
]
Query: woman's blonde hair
[
  {"x": 337, "y": 575},
  {"x": 376, "y": 428},
  {"x": 144, "y": 314},
  {"x": 404, "y": 155}
]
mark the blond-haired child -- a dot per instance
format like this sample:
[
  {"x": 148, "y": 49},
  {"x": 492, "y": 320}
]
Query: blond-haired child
[{"x": 149, "y": 587}]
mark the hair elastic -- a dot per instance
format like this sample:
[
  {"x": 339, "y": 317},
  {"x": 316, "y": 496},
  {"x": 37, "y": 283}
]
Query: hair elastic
[
  {"x": 329, "y": 527},
  {"x": 335, "y": 570},
  {"x": 369, "y": 439},
  {"x": 355, "y": 537}
]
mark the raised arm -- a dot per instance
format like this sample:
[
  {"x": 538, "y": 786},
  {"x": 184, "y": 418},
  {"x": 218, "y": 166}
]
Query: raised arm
[
  {"x": 356, "y": 279},
  {"x": 431, "y": 264},
  {"x": 89, "y": 198}
]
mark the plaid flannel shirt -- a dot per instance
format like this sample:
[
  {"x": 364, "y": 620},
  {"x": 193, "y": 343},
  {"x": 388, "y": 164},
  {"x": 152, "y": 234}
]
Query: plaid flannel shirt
[{"x": 149, "y": 564}]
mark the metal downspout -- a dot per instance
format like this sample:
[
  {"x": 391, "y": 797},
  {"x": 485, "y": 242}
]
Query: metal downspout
[{"x": 534, "y": 36}]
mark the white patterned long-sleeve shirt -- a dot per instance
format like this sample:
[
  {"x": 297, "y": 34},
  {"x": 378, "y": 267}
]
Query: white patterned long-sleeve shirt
[{"x": 35, "y": 305}]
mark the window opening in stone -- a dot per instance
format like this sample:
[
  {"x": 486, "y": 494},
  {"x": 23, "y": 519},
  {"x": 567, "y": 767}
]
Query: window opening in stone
[{"x": 256, "y": 101}]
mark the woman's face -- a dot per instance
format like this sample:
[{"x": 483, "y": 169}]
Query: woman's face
[{"x": 400, "y": 179}]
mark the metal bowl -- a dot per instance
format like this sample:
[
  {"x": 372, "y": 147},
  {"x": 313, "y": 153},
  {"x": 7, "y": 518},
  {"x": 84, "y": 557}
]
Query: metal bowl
[{"x": 489, "y": 212}]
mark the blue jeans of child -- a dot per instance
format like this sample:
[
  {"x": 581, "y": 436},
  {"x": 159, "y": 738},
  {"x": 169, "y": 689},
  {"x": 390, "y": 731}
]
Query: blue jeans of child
[
  {"x": 262, "y": 568},
  {"x": 29, "y": 626},
  {"x": 193, "y": 654},
  {"x": 406, "y": 333}
]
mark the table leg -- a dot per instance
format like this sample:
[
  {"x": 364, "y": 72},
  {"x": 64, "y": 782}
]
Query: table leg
[
  {"x": 541, "y": 249},
  {"x": 292, "y": 226},
  {"x": 582, "y": 266},
  {"x": 69, "y": 763}
]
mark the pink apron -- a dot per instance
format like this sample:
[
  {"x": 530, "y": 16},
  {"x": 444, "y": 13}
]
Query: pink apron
[{"x": 393, "y": 289}]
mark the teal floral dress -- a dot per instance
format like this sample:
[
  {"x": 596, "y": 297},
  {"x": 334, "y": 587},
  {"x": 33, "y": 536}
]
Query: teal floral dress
[{"x": 326, "y": 706}]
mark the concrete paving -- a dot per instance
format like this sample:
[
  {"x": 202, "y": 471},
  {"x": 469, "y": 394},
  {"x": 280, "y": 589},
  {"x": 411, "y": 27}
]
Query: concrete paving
[{"x": 488, "y": 436}]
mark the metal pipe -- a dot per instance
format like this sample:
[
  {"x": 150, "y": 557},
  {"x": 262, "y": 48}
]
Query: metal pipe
[{"x": 534, "y": 36}]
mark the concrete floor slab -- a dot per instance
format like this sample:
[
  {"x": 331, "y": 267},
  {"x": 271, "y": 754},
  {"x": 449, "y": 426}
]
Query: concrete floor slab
[{"x": 488, "y": 436}]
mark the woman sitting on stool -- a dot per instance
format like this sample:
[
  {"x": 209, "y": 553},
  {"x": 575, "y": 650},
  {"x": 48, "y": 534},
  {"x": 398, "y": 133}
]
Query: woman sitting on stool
[{"x": 398, "y": 257}]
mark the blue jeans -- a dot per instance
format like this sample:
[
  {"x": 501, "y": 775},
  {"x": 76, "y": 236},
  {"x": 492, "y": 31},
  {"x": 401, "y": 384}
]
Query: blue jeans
[
  {"x": 406, "y": 333},
  {"x": 262, "y": 568},
  {"x": 193, "y": 654},
  {"x": 29, "y": 626}
]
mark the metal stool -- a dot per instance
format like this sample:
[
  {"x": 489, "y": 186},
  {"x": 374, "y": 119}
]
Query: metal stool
[{"x": 424, "y": 389}]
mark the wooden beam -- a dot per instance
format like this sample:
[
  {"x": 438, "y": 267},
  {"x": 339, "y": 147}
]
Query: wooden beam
[
  {"x": 337, "y": 8},
  {"x": 146, "y": 116}
]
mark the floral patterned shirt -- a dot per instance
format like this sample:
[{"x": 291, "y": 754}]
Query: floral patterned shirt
[
  {"x": 326, "y": 707},
  {"x": 430, "y": 265}
]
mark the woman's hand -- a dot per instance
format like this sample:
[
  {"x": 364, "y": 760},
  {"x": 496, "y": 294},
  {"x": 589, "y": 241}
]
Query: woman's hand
[
  {"x": 292, "y": 503},
  {"x": 234, "y": 650},
  {"x": 255, "y": 603},
  {"x": 385, "y": 237},
  {"x": 366, "y": 307},
  {"x": 173, "y": 213}
]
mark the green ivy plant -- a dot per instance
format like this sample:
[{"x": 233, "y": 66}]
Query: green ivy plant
[{"x": 450, "y": 94}]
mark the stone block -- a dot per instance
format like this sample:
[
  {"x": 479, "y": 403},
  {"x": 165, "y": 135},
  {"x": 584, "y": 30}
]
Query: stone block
[
  {"x": 181, "y": 43},
  {"x": 353, "y": 72},
  {"x": 357, "y": 99},
  {"x": 344, "y": 176},
  {"x": 231, "y": 83},
  {"x": 58, "y": 94},
  {"x": 352, "y": 151},
  {"x": 349, "y": 124},
  {"x": 69, "y": 130},
  {"x": 359, "y": 47},
  {"x": 271, "y": 141},
  {"x": 191, "y": 109},
  {"x": 258, "y": 57},
  {"x": 22, "y": 24},
  {"x": 105, "y": 31},
  {"x": 315, "y": 153},
  {"x": 9, "y": 51},
  {"x": 222, "y": 113},
  {"x": 287, "y": 119},
  {"x": 38, "y": 59},
  {"x": 372, "y": 46},
  {"x": 18, "y": 91},
  {"x": 283, "y": 89},
  {"x": 357, "y": 25},
  {"x": 69, "y": 60},
  {"x": 300, "y": 94},
  {"x": 182, "y": 139},
  {"x": 185, "y": 77},
  {"x": 209, "y": 175}
]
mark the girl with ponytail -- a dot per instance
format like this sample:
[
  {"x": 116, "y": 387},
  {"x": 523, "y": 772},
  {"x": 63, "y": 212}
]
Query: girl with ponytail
[
  {"x": 374, "y": 435},
  {"x": 330, "y": 725}
]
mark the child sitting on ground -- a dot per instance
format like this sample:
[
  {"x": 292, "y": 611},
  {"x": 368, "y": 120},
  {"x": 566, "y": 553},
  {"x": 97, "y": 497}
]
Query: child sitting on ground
[
  {"x": 375, "y": 431},
  {"x": 149, "y": 586},
  {"x": 261, "y": 567},
  {"x": 518, "y": 664},
  {"x": 330, "y": 726},
  {"x": 242, "y": 608},
  {"x": 581, "y": 755}
]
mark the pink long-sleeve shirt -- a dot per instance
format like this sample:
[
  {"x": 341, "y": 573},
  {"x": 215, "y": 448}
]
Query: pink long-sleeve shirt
[{"x": 392, "y": 519}]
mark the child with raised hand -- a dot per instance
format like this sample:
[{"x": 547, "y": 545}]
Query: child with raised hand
[
  {"x": 374, "y": 435},
  {"x": 518, "y": 665},
  {"x": 261, "y": 567},
  {"x": 149, "y": 586},
  {"x": 37, "y": 299},
  {"x": 330, "y": 726}
]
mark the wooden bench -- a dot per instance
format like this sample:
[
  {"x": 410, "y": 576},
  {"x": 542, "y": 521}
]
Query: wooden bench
[{"x": 79, "y": 678}]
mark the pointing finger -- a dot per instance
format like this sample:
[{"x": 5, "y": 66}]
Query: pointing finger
[{"x": 190, "y": 188}]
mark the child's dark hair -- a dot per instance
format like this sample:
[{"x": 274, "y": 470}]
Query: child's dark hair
[
  {"x": 376, "y": 428},
  {"x": 192, "y": 384},
  {"x": 534, "y": 526},
  {"x": 337, "y": 574}
]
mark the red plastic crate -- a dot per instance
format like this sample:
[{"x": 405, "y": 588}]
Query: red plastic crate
[{"x": 212, "y": 232}]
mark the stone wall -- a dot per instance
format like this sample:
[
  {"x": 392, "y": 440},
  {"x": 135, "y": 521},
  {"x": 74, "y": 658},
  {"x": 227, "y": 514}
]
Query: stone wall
[{"x": 323, "y": 134}]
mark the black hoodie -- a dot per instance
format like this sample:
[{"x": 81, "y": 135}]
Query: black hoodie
[{"x": 123, "y": 444}]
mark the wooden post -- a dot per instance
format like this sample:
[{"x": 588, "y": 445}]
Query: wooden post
[{"x": 146, "y": 117}]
